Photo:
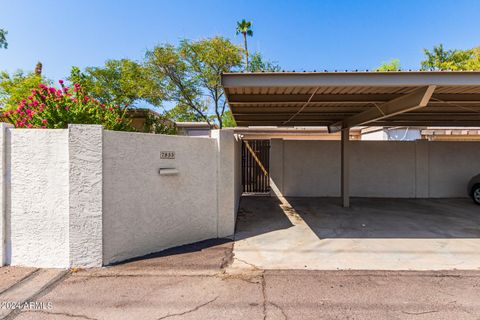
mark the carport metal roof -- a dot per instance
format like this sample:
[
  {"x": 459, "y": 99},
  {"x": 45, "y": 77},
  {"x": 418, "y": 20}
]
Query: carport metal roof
[
  {"x": 342, "y": 100},
  {"x": 346, "y": 99}
]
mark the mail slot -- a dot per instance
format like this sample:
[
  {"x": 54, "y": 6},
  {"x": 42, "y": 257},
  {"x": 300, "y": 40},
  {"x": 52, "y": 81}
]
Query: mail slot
[{"x": 167, "y": 171}]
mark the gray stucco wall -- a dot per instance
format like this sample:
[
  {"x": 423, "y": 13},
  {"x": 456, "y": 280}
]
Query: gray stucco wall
[
  {"x": 145, "y": 212},
  {"x": 419, "y": 169}
]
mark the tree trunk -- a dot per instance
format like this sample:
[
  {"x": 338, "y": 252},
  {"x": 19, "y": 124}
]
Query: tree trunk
[{"x": 246, "y": 48}]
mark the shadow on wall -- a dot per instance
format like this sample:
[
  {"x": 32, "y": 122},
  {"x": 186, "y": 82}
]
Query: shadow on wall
[{"x": 367, "y": 218}]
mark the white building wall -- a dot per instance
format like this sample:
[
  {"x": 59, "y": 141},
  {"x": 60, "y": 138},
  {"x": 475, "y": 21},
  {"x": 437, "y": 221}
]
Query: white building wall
[
  {"x": 407, "y": 169},
  {"x": 145, "y": 212},
  {"x": 37, "y": 221},
  {"x": 85, "y": 197}
]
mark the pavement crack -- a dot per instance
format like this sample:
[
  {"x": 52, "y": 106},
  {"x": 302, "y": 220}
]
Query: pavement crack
[
  {"x": 70, "y": 315},
  {"x": 419, "y": 313},
  {"x": 248, "y": 263},
  {"x": 279, "y": 308},
  {"x": 264, "y": 295},
  {"x": 188, "y": 311},
  {"x": 227, "y": 258}
]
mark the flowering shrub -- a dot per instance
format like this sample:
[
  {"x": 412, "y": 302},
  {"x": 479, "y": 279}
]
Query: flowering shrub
[{"x": 49, "y": 107}]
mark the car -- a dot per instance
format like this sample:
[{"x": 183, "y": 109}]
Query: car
[{"x": 474, "y": 189}]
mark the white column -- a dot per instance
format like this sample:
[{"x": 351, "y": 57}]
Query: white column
[
  {"x": 345, "y": 168},
  {"x": 226, "y": 209},
  {"x": 3, "y": 190},
  {"x": 85, "y": 195}
]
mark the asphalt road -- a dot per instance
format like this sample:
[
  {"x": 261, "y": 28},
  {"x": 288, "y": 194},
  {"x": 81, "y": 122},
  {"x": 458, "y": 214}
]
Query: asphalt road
[{"x": 192, "y": 283}]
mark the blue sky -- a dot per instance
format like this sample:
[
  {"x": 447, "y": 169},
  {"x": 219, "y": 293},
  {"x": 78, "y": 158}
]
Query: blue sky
[{"x": 297, "y": 34}]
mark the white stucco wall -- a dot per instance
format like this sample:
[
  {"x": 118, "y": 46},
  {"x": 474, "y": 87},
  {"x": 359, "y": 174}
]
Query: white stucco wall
[
  {"x": 407, "y": 169},
  {"x": 145, "y": 212},
  {"x": 228, "y": 179},
  {"x": 37, "y": 198},
  {"x": 86, "y": 197}
]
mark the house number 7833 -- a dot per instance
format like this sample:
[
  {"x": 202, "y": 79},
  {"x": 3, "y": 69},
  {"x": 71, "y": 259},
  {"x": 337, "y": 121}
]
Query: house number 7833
[{"x": 167, "y": 154}]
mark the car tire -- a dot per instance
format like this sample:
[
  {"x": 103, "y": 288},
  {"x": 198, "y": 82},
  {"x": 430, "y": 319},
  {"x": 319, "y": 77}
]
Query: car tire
[{"x": 476, "y": 193}]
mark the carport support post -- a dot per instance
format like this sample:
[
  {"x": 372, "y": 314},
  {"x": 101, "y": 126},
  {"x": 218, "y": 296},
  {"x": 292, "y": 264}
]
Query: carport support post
[{"x": 345, "y": 168}]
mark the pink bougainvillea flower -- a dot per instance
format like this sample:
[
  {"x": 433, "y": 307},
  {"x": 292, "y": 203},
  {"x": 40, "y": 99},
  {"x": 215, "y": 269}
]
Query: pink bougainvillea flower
[
  {"x": 44, "y": 120},
  {"x": 60, "y": 81},
  {"x": 44, "y": 127}
]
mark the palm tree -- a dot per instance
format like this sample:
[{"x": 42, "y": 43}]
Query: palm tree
[{"x": 245, "y": 27}]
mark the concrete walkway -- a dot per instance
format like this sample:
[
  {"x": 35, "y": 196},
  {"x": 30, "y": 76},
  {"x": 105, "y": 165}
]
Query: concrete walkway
[
  {"x": 374, "y": 234},
  {"x": 192, "y": 282}
]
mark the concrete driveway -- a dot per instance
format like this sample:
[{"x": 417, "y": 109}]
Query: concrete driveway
[{"x": 374, "y": 234}]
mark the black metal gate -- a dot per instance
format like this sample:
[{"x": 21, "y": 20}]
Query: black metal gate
[{"x": 255, "y": 166}]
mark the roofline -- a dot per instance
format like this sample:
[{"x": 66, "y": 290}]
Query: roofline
[{"x": 361, "y": 78}]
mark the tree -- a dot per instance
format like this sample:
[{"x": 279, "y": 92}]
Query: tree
[
  {"x": 193, "y": 71},
  {"x": 245, "y": 28},
  {"x": 122, "y": 82},
  {"x": 258, "y": 63},
  {"x": 440, "y": 59},
  {"x": 392, "y": 65},
  {"x": 15, "y": 87},
  {"x": 3, "y": 39},
  {"x": 50, "y": 107}
]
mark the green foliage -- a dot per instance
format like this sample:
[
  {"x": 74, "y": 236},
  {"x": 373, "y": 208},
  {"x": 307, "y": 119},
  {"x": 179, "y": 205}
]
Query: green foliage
[
  {"x": 244, "y": 27},
  {"x": 257, "y": 64},
  {"x": 228, "y": 120},
  {"x": 158, "y": 125},
  {"x": 48, "y": 107},
  {"x": 392, "y": 65},
  {"x": 440, "y": 59},
  {"x": 191, "y": 74},
  {"x": 182, "y": 112},
  {"x": 3, "y": 39},
  {"x": 15, "y": 87},
  {"x": 120, "y": 81}
]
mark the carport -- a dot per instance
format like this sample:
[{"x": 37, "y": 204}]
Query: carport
[
  {"x": 343, "y": 100},
  {"x": 424, "y": 225}
]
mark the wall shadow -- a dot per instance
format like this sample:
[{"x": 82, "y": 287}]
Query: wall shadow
[
  {"x": 390, "y": 218},
  {"x": 258, "y": 215}
]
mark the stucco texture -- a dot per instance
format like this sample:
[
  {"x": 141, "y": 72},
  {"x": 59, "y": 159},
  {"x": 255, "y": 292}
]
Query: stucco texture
[
  {"x": 85, "y": 195},
  {"x": 403, "y": 169},
  {"x": 144, "y": 211},
  {"x": 37, "y": 198}
]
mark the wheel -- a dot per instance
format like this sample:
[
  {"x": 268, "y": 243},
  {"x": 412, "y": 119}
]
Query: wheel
[{"x": 476, "y": 194}]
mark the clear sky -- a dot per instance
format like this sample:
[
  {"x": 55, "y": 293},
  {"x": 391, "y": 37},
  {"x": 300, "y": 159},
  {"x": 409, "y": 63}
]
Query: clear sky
[{"x": 299, "y": 35}]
